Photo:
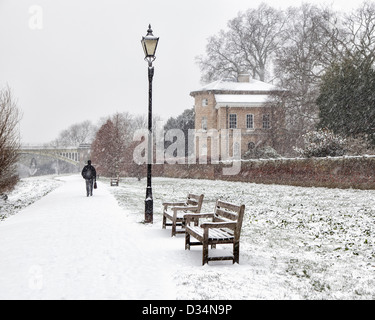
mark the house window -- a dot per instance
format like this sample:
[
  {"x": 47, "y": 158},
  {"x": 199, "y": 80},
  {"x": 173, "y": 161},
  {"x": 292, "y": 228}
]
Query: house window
[
  {"x": 204, "y": 123},
  {"x": 232, "y": 121},
  {"x": 204, "y": 102},
  {"x": 249, "y": 121},
  {"x": 266, "y": 121}
]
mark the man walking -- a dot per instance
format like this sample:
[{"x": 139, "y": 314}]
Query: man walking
[{"x": 89, "y": 174}]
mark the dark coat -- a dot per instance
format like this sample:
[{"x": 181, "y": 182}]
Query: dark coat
[{"x": 89, "y": 172}]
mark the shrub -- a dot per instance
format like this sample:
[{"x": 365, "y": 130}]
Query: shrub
[
  {"x": 322, "y": 143},
  {"x": 265, "y": 152}
]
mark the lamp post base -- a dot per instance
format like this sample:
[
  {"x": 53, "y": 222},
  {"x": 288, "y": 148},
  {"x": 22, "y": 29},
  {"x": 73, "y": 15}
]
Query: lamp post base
[{"x": 149, "y": 206}]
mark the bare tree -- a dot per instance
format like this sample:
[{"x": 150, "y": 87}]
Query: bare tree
[
  {"x": 352, "y": 35},
  {"x": 9, "y": 140},
  {"x": 76, "y": 134},
  {"x": 361, "y": 31},
  {"x": 299, "y": 65},
  {"x": 249, "y": 45}
]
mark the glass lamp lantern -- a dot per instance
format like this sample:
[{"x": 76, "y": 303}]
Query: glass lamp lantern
[{"x": 149, "y": 45}]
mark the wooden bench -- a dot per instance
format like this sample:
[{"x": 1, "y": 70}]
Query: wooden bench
[
  {"x": 175, "y": 212},
  {"x": 225, "y": 228},
  {"x": 114, "y": 181}
]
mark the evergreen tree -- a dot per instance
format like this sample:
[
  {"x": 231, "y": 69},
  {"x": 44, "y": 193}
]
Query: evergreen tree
[
  {"x": 184, "y": 122},
  {"x": 347, "y": 99}
]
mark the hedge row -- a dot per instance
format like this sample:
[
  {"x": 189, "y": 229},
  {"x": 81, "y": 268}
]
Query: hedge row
[{"x": 337, "y": 172}]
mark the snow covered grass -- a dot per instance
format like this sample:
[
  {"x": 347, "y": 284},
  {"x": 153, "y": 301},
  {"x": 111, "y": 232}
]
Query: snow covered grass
[
  {"x": 296, "y": 243},
  {"x": 27, "y": 191}
]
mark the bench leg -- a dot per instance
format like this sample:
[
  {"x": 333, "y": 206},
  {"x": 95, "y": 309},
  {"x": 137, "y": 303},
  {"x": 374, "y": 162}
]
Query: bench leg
[
  {"x": 187, "y": 241},
  {"x": 173, "y": 228},
  {"x": 164, "y": 221},
  {"x": 205, "y": 247},
  {"x": 205, "y": 254},
  {"x": 236, "y": 252}
]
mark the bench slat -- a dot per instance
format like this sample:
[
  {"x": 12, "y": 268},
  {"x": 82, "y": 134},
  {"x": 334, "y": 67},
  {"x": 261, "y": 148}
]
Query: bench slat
[
  {"x": 214, "y": 234},
  {"x": 218, "y": 234},
  {"x": 227, "y": 214},
  {"x": 228, "y": 205},
  {"x": 192, "y": 202}
]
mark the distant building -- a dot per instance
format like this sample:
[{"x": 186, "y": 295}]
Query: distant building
[{"x": 226, "y": 104}]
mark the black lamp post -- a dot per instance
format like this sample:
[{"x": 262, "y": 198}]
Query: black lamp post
[{"x": 149, "y": 44}]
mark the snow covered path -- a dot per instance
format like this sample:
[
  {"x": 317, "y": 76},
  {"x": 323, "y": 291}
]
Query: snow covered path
[{"x": 68, "y": 246}]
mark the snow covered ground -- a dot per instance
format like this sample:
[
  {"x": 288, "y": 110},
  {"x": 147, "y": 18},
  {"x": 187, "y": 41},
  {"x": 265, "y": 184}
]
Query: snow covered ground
[
  {"x": 296, "y": 243},
  {"x": 27, "y": 192}
]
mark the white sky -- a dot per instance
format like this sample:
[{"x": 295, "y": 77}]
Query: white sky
[{"x": 86, "y": 61}]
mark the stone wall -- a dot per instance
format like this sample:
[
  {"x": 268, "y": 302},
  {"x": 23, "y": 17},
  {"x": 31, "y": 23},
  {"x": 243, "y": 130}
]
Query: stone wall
[{"x": 340, "y": 172}]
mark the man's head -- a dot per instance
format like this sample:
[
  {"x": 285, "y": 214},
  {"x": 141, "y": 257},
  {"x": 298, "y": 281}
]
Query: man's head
[{"x": 89, "y": 162}]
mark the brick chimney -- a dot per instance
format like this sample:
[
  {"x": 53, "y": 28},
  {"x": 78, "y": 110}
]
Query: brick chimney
[{"x": 243, "y": 77}]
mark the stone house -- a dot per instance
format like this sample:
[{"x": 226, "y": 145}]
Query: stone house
[{"x": 230, "y": 105}]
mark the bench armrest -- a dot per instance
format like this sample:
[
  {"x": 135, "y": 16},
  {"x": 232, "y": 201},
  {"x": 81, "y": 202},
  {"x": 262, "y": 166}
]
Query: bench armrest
[
  {"x": 230, "y": 225},
  {"x": 191, "y": 208},
  {"x": 183, "y": 208},
  {"x": 173, "y": 203},
  {"x": 196, "y": 216}
]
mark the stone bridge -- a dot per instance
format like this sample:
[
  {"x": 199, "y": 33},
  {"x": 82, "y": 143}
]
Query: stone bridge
[{"x": 75, "y": 156}]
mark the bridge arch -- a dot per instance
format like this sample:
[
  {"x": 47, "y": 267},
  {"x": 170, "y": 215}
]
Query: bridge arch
[{"x": 76, "y": 156}]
